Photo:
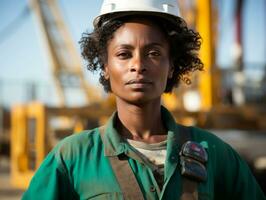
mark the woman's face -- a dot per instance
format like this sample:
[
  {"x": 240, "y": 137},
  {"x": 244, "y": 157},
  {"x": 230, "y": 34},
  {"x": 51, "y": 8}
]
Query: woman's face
[{"x": 138, "y": 62}]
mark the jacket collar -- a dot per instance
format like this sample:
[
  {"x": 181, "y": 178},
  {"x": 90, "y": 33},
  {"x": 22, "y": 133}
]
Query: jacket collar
[{"x": 114, "y": 144}]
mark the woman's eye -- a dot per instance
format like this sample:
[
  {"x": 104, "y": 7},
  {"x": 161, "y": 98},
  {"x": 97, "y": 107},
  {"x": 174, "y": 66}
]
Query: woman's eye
[
  {"x": 154, "y": 53},
  {"x": 123, "y": 55}
]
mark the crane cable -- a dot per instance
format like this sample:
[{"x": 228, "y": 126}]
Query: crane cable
[{"x": 14, "y": 25}]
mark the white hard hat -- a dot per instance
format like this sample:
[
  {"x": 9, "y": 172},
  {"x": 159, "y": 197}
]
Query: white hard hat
[{"x": 162, "y": 8}]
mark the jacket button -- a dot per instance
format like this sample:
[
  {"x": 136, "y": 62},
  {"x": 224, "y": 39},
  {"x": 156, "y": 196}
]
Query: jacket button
[{"x": 152, "y": 189}]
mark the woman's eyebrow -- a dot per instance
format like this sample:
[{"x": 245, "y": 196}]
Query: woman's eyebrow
[
  {"x": 154, "y": 44},
  {"x": 149, "y": 45},
  {"x": 124, "y": 46}
]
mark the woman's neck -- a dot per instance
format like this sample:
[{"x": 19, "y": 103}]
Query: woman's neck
[{"x": 141, "y": 122}]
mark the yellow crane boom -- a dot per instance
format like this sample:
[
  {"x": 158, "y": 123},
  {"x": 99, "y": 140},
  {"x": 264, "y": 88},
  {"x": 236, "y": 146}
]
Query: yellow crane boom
[{"x": 64, "y": 59}]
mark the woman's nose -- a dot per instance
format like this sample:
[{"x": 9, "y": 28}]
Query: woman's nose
[{"x": 138, "y": 64}]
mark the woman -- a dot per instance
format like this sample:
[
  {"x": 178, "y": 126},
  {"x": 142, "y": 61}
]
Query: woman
[{"x": 142, "y": 52}]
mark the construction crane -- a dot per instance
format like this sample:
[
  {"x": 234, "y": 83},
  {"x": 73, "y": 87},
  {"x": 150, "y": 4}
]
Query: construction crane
[{"x": 66, "y": 65}]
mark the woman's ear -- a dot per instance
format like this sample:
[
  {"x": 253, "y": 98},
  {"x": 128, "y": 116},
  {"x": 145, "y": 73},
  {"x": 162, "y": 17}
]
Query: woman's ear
[
  {"x": 106, "y": 72},
  {"x": 171, "y": 70}
]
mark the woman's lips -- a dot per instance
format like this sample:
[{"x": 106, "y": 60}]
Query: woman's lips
[{"x": 139, "y": 83}]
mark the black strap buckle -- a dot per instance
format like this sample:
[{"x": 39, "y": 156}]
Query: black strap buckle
[
  {"x": 194, "y": 151},
  {"x": 193, "y": 169},
  {"x": 193, "y": 158}
]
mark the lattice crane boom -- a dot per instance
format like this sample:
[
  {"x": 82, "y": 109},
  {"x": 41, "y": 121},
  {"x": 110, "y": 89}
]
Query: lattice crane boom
[{"x": 64, "y": 59}]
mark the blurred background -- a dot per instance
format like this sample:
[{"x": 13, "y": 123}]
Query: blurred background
[{"x": 46, "y": 93}]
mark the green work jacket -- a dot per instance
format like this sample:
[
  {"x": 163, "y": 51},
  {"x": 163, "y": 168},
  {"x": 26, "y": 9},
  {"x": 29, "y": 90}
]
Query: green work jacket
[{"x": 79, "y": 168}]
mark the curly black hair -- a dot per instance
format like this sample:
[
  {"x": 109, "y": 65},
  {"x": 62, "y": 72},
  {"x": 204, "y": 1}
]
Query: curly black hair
[{"x": 184, "y": 45}]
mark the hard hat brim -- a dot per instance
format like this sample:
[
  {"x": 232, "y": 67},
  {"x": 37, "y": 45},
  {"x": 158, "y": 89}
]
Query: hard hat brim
[{"x": 110, "y": 16}]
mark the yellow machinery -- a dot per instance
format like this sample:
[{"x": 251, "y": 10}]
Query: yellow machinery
[
  {"x": 204, "y": 26},
  {"x": 20, "y": 173},
  {"x": 36, "y": 128}
]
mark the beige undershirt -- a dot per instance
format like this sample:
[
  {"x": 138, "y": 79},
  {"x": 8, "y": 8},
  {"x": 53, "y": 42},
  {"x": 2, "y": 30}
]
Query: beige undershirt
[{"x": 155, "y": 153}]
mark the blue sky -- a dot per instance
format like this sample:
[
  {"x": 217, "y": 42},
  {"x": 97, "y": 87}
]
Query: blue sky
[
  {"x": 23, "y": 57},
  {"x": 22, "y": 54},
  {"x": 254, "y": 32}
]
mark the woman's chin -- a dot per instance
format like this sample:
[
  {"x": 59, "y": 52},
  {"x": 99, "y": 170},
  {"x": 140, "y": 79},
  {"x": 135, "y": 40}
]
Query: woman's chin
[{"x": 140, "y": 98}]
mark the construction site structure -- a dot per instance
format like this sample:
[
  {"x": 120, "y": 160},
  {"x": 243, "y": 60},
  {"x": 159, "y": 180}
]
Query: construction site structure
[{"x": 36, "y": 129}]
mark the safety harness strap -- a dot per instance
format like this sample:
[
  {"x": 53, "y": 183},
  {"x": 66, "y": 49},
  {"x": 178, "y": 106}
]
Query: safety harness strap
[
  {"x": 124, "y": 174},
  {"x": 189, "y": 187}
]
